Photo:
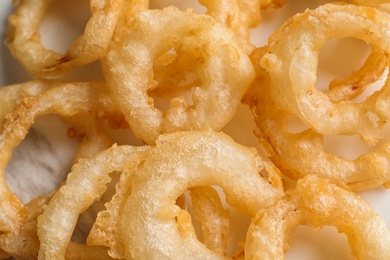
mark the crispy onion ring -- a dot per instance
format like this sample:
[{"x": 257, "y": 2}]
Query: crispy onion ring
[
  {"x": 213, "y": 48},
  {"x": 294, "y": 75},
  {"x": 93, "y": 175},
  {"x": 65, "y": 100},
  {"x": 316, "y": 202},
  {"x": 300, "y": 154},
  {"x": 182, "y": 160},
  {"x": 74, "y": 251},
  {"x": 238, "y": 15},
  {"x": 23, "y": 38},
  {"x": 357, "y": 82}
]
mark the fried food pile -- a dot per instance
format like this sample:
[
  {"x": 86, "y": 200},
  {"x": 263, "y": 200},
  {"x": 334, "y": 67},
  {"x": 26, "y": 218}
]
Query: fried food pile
[{"x": 206, "y": 65}]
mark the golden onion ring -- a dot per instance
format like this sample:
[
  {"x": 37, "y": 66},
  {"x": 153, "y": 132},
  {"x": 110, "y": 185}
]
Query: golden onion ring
[
  {"x": 303, "y": 153},
  {"x": 72, "y": 199},
  {"x": 23, "y": 39},
  {"x": 182, "y": 160},
  {"x": 65, "y": 99},
  {"x": 199, "y": 37},
  {"x": 317, "y": 202},
  {"x": 292, "y": 64}
]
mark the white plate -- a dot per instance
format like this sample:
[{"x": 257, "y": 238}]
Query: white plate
[{"x": 54, "y": 156}]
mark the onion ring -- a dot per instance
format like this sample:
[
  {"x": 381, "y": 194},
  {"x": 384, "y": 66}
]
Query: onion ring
[
  {"x": 356, "y": 83},
  {"x": 131, "y": 74},
  {"x": 74, "y": 251},
  {"x": 23, "y": 39},
  {"x": 296, "y": 92},
  {"x": 65, "y": 100},
  {"x": 182, "y": 160},
  {"x": 300, "y": 154},
  {"x": 93, "y": 175},
  {"x": 316, "y": 202}
]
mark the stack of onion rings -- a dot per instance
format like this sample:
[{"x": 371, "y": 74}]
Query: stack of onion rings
[{"x": 148, "y": 55}]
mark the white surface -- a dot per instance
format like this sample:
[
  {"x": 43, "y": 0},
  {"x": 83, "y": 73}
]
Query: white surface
[{"x": 335, "y": 61}]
